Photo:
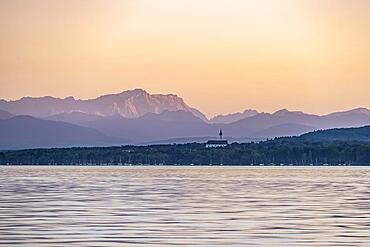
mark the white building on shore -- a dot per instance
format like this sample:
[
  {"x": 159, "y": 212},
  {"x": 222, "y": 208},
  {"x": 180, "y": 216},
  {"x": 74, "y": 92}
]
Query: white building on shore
[{"x": 220, "y": 143}]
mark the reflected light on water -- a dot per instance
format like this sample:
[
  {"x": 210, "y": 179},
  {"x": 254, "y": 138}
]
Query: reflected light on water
[{"x": 188, "y": 206}]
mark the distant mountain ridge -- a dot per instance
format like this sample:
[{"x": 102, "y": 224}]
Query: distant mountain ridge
[
  {"x": 249, "y": 126},
  {"x": 74, "y": 117},
  {"x": 361, "y": 110},
  {"x": 229, "y": 118},
  {"x": 129, "y": 104}
]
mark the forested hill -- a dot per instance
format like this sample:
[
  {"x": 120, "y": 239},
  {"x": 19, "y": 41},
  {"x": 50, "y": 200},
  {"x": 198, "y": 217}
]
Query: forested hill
[{"x": 344, "y": 134}]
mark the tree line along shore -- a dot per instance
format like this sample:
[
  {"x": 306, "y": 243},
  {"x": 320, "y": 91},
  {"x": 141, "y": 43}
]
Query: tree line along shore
[{"x": 281, "y": 151}]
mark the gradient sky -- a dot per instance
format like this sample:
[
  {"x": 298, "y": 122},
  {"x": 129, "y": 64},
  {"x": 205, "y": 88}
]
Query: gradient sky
[{"x": 221, "y": 56}]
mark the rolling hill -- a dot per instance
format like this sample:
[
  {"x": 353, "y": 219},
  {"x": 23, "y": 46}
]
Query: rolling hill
[
  {"x": 28, "y": 132},
  {"x": 339, "y": 134}
]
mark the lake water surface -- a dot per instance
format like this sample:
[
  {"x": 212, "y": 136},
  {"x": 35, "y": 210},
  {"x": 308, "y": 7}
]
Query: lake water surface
[{"x": 184, "y": 206}]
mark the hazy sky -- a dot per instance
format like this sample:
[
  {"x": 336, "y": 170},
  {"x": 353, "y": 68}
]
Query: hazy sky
[{"x": 219, "y": 55}]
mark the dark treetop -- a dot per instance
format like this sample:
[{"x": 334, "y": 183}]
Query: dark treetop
[{"x": 279, "y": 151}]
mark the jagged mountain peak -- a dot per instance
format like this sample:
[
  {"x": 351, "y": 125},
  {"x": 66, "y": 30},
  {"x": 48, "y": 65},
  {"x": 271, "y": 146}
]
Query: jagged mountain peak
[
  {"x": 129, "y": 104},
  {"x": 133, "y": 92},
  {"x": 284, "y": 112},
  {"x": 281, "y": 112}
]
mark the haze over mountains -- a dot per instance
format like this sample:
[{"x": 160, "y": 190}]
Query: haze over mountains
[{"x": 136, "y": 117}]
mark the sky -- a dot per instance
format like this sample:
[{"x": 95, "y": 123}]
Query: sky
[{"x": 221, "y": 56}]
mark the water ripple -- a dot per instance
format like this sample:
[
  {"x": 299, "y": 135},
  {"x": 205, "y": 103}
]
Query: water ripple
[{"x": 184, "y": 206}]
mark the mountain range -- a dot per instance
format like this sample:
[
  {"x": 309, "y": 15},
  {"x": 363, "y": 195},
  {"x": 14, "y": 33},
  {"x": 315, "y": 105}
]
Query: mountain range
[
  {"x": 129, "y": 104},
  {"x": 137, "y": 117}
]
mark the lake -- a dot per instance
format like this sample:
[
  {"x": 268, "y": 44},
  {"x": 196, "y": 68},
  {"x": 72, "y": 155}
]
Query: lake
[{"x": 184, "y": 206}]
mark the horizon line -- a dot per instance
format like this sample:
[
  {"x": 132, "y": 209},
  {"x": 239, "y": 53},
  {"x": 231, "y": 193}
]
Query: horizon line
[{"x": 209, "y": 117}]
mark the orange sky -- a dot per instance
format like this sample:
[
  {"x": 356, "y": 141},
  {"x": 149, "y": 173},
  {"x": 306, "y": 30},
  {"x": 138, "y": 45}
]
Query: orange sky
[{"x": 219, "y": 55}]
